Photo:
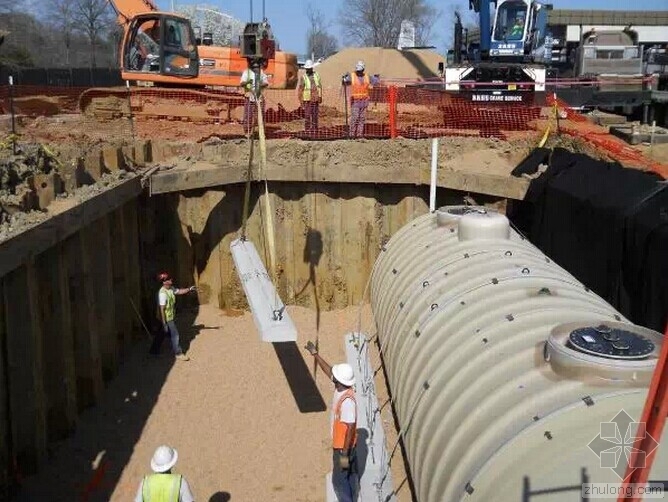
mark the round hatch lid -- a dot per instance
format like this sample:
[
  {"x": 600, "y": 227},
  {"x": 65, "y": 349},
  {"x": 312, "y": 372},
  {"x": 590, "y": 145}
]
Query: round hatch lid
[{"x": 612, "y": 343}]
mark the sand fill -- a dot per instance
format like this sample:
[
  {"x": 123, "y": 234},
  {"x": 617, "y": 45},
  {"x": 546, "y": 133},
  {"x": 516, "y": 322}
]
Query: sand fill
[
  {"x": 249, "y": 423},
  {"x": 413, "y": 64}
]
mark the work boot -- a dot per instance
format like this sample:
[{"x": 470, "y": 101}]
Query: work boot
[{"x": 182, "y": 357}]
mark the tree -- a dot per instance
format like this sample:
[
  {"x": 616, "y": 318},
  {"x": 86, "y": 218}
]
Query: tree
[
  {"x": 377, "y": 23},
  {"x": 10, "y": 6},
  {"x": 319, "y": 43},
  {"x": 94, "y": 18},
  {"x": 62, "y": 14}
]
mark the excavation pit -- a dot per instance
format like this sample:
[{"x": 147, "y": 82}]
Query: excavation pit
[{"x": 250, "y": 423}]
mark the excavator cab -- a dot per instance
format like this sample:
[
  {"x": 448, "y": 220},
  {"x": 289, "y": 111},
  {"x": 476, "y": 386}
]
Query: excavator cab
[{"x": 159, "y": 44}]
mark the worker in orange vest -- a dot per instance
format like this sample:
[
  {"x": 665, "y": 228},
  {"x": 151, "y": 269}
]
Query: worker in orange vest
[
  {"x": 343, "y": 426},
  {"x": 360, "y": 86}
]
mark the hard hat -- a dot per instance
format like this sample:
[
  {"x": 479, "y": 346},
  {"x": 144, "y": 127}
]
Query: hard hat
[
  {"x": 164, "y": 277},
  {"x": 164, "y": 458},
  {"x": 344, "y": 374},
  {"x": 359, "y": 66},
  {"x": 308, "y": 65}
]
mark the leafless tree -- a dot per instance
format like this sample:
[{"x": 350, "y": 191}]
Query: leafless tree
[
  {"x": 94, "y": 18},
  {"x": 377, "y": 23},
  {"x": 10, "y": 6},
  {"x": 319, "y": 42},
  {"x": 62, "y": 14}
]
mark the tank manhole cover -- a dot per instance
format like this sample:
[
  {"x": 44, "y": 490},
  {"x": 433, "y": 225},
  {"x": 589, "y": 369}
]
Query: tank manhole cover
[{"x": 613, "y": 343}]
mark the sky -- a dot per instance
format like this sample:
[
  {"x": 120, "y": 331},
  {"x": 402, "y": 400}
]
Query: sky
[{"x": 288, "y": 17}]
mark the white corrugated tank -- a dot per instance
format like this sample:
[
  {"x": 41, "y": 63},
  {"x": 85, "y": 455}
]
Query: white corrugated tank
[{"x": 501, "y": 364}]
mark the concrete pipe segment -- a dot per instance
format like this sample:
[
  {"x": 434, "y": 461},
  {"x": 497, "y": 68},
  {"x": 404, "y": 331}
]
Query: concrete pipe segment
[{"x": 502, "y": 366}]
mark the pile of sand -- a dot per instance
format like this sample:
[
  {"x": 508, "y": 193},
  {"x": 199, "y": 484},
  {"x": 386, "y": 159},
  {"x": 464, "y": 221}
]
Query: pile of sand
[{"x": 409, "y": 64}]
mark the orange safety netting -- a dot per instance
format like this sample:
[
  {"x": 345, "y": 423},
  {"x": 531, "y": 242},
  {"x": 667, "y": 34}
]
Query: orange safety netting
[{"x": 408, "y": 111}]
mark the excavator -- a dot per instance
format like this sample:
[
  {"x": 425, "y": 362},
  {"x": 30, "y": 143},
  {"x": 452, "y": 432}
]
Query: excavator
[{"x": 160, "y": 49}]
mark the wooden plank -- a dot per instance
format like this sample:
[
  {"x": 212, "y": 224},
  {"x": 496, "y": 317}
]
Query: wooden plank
[
  {"x": 96, "y": 245},
  {"x": 89, "y": 365},
  {"x": 24, "y": 358},
  {"x": 204, "y": 175},
  {"x": 120, "y": 291},
  {"x": 132, "y": 264},
  {"x": 53, "y": 312},
  {"x": 17, "y": 250},
  {"x": 66, "y": 338},
  {"x": 333, "y": 246}
]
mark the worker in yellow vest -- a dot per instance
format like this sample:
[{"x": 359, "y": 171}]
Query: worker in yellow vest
[
  {"x": 360, "y": 86},
  {"x": 253, "y": 95},
  {"x": 345, "y": 477},
  {"x": 309, "y": 94},
  {"x": 163, "y": 485},
  {"x": 167, "y": 316}
]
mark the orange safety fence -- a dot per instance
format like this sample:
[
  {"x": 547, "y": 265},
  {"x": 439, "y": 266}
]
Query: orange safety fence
[{"x": 408, "y": 111}]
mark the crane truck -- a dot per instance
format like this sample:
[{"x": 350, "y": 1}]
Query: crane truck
[
  {"x": 511, "y": 62},
  {"x": 160, "y": 49}
]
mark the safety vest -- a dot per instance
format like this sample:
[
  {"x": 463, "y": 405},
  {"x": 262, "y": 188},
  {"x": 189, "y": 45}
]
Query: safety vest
[
  {"x": 306, "y": 96},
  {"x": 360, "y": 91},
  {"x": 339, "y": 427},
  {"x": 171, "y": 303},
  {"x": 161, "y": 488},
  {"x": 250, "y": 78}
]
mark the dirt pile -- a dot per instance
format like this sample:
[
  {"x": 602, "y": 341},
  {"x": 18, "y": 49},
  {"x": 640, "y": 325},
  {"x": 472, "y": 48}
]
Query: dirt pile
[{"x": 410, "y": 64}]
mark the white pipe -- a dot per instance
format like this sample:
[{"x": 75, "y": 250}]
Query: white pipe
[
  {"x": 651, "y": 138},
  {"x": 434, "y": 165}
]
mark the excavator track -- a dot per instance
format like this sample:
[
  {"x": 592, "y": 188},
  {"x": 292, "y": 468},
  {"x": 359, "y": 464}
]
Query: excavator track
[{"x": 155, "y": 103}]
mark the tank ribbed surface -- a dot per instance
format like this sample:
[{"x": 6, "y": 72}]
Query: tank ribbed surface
[{"x": 471, "y": 327}]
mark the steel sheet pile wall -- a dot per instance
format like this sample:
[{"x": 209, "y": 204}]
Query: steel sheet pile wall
[{"x": 474, "y": 323}]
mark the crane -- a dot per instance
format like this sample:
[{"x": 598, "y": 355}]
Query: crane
[
  {"x": 161, "y": 49},
  {"x": 514, "y": 51}
]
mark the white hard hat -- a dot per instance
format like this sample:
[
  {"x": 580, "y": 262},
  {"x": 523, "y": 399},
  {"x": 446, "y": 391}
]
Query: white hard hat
[
  {"x": 344, "y": 374},
  {"x": 359, "y": 66},
  {"x": 164, "y": 458},
  {"x": 308, "y": 65}
]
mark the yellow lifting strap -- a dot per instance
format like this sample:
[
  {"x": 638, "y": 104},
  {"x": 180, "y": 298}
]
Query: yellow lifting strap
[{"x": 267, "y": 202}]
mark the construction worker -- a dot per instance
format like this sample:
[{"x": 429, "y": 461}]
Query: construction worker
[
  {"x": 167, "y": 314},
  {"x": 163, "y": 485},
  {"x": 343, "y": 426},
  {"x": 309, "y": 93},
  {"x": 360, "y": 87},
  {"x": 252, "y": 95},
  {"x": 517, "y": 30}
]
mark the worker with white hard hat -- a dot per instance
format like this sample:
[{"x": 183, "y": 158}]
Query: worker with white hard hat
[
  {"x": 309, "y": 94},
  {"x": 343, "y": 426},
  {"x": 361, "y": 85},
  {"x": 253, "y": 94},
  {"x": 163, "y": 485}
]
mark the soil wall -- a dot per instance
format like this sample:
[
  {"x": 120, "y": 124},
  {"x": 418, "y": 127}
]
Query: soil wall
[{"x": 326, "y": 237}]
